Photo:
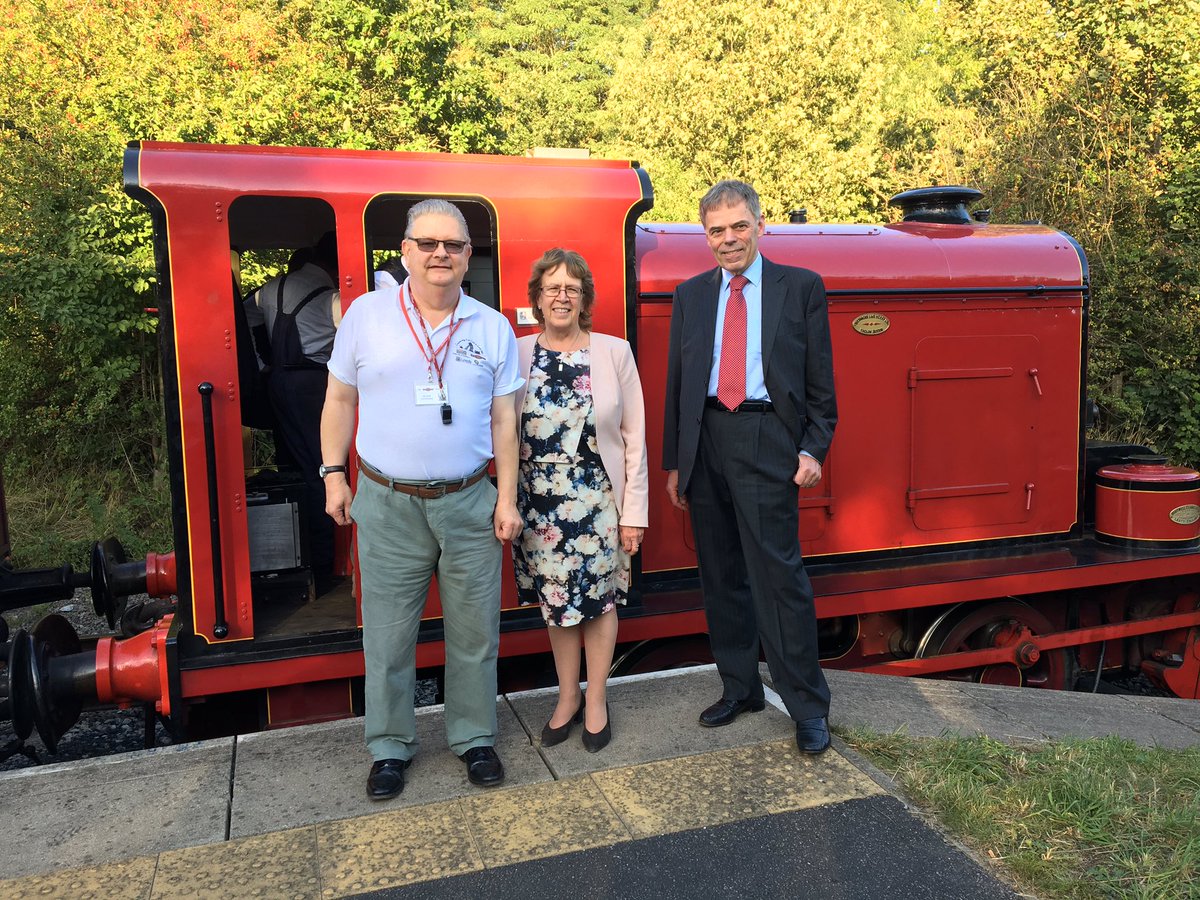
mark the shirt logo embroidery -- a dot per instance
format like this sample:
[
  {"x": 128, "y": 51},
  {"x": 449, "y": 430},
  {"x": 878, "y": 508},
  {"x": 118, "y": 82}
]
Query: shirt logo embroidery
[{"x": 468, "y": 351}]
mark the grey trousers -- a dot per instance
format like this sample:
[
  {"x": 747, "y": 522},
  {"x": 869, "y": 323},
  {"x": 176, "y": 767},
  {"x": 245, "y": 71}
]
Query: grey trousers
[{"x": 402, "y": 542}]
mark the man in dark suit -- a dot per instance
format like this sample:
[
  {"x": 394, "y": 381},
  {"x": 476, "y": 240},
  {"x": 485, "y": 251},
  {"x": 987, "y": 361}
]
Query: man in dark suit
[{"x": 750, "y": 412}]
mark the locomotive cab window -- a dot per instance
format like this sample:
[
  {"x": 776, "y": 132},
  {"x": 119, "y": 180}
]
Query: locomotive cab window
[
  {"x": 386, "y": 217},
  {"x": 287, "y": 309}
]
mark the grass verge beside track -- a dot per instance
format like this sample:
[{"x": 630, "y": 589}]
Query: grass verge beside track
[{"x": 1077, "y": 819}]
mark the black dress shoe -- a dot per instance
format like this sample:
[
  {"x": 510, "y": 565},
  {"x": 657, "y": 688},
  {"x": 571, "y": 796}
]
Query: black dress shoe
[
  {"x": 552, "y": 736},
  {"x": 598, "y": 741},
  {"x": 483, "y": 766},
  {"x": 725, "y": 711},
  {"x": 386, "y": 779},
  {"x": 812, "y": 735}
]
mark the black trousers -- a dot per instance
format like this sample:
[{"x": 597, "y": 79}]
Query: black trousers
[
  {"x": 298, "y": 396},
  {"x": 745, "y": 519}
]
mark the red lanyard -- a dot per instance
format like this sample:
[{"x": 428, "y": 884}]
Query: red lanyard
[{"x": 431, "y": 355}]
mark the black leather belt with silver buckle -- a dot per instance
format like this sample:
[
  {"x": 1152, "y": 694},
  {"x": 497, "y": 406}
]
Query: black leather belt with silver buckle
[
  {"x": 758, "y": 406},
  {"x": 430, "y": 490}
]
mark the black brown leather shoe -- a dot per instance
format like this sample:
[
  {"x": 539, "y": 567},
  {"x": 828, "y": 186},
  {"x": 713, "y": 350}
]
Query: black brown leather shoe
[
  {"x": 725, "y": 711},
  {"x": 483, "y": 766},
  {"x": 812, "y": 735},
  {"x": 386, "y": 779}
]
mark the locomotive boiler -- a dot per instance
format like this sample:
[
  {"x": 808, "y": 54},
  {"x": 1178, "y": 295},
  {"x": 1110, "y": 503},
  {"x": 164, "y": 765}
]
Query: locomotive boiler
[{"x": 965, "y": 527}]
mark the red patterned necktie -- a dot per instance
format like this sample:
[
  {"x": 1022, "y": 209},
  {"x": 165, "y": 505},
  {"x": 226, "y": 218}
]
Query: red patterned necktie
[{"x": 731, "y": 374}]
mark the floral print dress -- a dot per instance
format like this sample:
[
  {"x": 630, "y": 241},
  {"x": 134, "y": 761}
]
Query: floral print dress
[{"x": 569, "y": 556}]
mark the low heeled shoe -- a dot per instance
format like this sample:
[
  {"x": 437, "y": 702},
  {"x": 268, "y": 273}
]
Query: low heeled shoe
[
  {"x": 386, "y": 779},
  {"x": 552, "y": 736},
  {"x": 483, "y": 766},
  {"x": 593, "y": 742},
  {"x": 725, "y": 710},
  {"x": 812, "y": 735}
]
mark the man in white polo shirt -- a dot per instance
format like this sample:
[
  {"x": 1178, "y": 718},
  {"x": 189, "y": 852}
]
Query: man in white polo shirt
[{"x": 432, "y": 373}]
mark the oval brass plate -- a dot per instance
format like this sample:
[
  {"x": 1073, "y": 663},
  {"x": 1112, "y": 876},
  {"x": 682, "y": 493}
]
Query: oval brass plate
[
  {"x": 1185, "y": 515},
  {"x": 871, "y": 323}
]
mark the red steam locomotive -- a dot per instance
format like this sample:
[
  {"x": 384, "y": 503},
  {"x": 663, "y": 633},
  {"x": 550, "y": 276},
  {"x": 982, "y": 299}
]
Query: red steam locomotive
[{"x": 964, "y": 528}]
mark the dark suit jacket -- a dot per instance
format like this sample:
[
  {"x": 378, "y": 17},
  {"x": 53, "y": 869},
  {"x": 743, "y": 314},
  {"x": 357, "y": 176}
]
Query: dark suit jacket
[{"x": 797, "y": 361}]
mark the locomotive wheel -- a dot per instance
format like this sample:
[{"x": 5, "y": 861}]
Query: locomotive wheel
[
  {"x": 1004, "y": 623},
  {"x": 659, "y": 655}
]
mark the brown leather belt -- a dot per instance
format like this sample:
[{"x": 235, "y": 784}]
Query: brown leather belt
[{"x": 430, "y": 490}]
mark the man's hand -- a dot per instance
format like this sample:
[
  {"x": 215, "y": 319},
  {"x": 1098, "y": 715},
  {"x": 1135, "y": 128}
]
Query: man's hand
[
  {"x": 506, "y": 521},
  {"x": 677, "y": 500},
  {"x": 631, "y": 537},
  {"x": 808, "y": 472},
  {"x": 338, "y": 497}
]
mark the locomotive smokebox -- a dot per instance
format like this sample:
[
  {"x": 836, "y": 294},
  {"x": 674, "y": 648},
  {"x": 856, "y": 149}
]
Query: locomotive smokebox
[
  {"x": 938, "y": 205},
  {"x": 1146, "y": 503}
]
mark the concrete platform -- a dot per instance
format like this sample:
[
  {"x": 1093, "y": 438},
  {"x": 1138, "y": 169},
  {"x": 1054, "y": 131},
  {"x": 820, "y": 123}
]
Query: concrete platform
[{"x": 285, "y": 814}]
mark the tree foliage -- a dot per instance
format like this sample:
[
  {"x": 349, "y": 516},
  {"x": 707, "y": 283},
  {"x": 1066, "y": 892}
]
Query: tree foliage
[
  {"x": 819, "y": 103},
  {"x": 551, "y": 65},
  {"x": 83, "y": 77},
  {"x": 1081, "y": 114}
]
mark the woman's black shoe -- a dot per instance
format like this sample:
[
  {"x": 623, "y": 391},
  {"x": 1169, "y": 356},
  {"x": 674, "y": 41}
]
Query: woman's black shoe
[
  {"x": 552, "y": 736},
  {"x": 598, "y": 741}
]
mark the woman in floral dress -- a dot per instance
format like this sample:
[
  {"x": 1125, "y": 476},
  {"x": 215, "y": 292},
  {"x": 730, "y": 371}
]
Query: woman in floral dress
[{"x": 582, "y": 487}]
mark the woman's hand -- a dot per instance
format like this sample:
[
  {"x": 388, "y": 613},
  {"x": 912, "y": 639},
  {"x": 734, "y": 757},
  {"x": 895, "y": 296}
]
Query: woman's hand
[{"x": 631, "y": 537}]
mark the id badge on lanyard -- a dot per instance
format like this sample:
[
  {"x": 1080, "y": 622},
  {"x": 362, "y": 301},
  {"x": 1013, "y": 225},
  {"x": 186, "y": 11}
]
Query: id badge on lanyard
[{"x": 429, "y": 393}]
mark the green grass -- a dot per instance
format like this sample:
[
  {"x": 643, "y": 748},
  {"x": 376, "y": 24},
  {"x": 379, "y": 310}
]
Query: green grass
[
  {"x": 1071, "y": 819},
  {"x": 55, "y": 515}
]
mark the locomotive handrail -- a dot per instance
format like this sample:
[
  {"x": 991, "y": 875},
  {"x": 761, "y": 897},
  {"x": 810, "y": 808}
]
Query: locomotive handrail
[{"x": 221, "y": 627}]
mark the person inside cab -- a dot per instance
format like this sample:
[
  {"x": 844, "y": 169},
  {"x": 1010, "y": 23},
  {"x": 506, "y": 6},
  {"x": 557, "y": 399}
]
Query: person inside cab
[{"x": 293, "y": 319}]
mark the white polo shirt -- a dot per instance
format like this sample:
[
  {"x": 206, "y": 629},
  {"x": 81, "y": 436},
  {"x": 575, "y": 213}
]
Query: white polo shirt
[{"x": 376, "y": 353}]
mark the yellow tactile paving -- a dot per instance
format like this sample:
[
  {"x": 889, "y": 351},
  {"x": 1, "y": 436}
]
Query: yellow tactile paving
[
  {"x": 542, "y": 820},
  {"x": 419, "y": 843},
  {"x": 115, "y": 881},
  {"x": 676, "y": 795},
  {"x": 484, "y": 830},
  {"x": 278, "y": 865},
  {"x": 778, "y": 779},
  {"x": 725, "y": 786}
]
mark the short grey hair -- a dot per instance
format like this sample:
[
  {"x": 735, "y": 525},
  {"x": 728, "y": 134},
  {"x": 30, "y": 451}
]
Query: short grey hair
[
  {"x": 436, "y": 207},
  {"x": 730, "y": 193}
]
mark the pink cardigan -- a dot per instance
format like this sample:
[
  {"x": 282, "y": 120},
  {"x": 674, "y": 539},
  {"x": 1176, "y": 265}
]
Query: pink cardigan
[{"x": 620, "y": 421}]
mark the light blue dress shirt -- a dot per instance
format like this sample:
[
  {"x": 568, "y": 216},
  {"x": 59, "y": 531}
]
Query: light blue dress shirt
[{"x": 756, "y": 385}]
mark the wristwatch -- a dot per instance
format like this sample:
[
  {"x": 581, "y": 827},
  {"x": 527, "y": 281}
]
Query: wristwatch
[{"x": 324, "y": 470}]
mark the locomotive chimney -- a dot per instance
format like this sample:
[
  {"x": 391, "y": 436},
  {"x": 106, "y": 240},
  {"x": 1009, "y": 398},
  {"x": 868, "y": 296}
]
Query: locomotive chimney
[
  {"x": 943, "y": 205},
  {"x": 798, "y": 216}
]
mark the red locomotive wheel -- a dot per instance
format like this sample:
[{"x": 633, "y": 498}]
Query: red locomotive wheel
[{"x": 1004, "y": 623}]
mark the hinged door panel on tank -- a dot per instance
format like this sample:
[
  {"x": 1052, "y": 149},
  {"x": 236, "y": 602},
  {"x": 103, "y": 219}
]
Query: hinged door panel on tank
[{"x": 975, "y": 409}]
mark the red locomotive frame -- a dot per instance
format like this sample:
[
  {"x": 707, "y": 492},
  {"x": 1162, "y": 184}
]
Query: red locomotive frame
[{"x": 951, "y": 535}]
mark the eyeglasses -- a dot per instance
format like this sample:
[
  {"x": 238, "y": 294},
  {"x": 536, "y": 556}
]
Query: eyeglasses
[
  {"x": 428, "y": 245},
  {"x": 572, "y": 292}
]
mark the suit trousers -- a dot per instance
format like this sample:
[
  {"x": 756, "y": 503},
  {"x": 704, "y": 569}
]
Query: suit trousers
[
  {"x": 745, "y": 520},
  {"x": 402, "y": 541}
]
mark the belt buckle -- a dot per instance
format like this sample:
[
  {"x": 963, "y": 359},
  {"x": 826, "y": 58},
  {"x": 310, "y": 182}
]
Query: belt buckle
[{"x": 436, "y": 491}]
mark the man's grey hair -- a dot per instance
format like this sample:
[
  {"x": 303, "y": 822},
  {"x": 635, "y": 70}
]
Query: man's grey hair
[
  {"x": 436, "y": 207},
  {"x": 730, "y": 193}
]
